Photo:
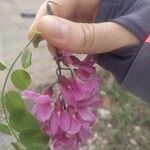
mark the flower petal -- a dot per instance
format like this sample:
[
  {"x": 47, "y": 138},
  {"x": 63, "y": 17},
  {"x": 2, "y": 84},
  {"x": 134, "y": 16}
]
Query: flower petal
[
  {"x": 89, "y": 59},
  {"x": 92, "y": 84},
  {"x": 43, "y": 99},
  {"x": 64, "y": 122},
  {"x": 54, "y": 123},
  {"x": 29, "y": 94},
  {"x": 78, "y": 89},
  {"x": 67, "y": 95},
  {"x": 75, "y": 127},
  {"x": 88, "y": 68},
  {"x": 46, "y": 129},
  {"x": 42, "y": 112},
  {"x": 82, "y": 74},
  {"x": 36, "y": 97},
  {"x": 85, "y": 124},
  {"x": 75, "y": 61},
  {"x": 86, "y": 114},
  {"x": 48, "y": 91},
  {"x": 84, "y": 135},
  {"x": 65, "y": 144},
  {"x": 94, "y": 101}
]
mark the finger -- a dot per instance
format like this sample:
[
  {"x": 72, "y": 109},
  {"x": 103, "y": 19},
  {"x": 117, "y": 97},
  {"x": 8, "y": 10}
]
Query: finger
[
  {"x": 61, "y": 8},
  {"x": 84, "y": 38},
  {"x": 42, "y": 12},
  {"x": 51, "y": 49}
]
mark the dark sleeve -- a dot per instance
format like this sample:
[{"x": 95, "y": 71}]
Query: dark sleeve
[
  {"x": 132, "y": 14},
  {"x": 136, "y": 18},
  {"x": 137, "y": 79},
  {"x": 130, "y": 65}
]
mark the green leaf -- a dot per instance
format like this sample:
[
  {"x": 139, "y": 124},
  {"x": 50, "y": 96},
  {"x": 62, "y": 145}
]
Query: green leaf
[
  {"x": 2, "y": 66},
  {"x": 21, "y": 120},
  {"x": 33, "y": 137},
  {"x": 26, "y": 58},
  {"x": 4, "y": 129},
  {"x": 20, "y": 79},
  {"x": 13, "y": 101},
  {"x": 16, "y": 146},
  {"x": 36, "y": 40}
]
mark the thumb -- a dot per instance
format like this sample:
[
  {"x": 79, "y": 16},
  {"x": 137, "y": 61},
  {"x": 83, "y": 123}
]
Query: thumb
[
  {"x": 72, "y": 36},
  {"x": 84, "y": 38}
]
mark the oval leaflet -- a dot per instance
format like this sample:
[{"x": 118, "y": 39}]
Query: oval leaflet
[{"x": 20, "y": 79}]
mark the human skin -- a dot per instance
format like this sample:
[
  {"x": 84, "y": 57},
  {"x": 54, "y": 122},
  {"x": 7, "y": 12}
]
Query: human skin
[{"x": 71, "y": 28}]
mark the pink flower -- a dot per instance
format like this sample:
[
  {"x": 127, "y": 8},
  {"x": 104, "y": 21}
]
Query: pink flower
[
  {"x": 92, "y": 83},
  {"x": 85, "y": 65},
  {"x": 86, "y": 114},
  {"x": 66, "y": 143},
  {"x": 82, "y": 74},
  {"x": 48, "y": 91},
  {"x": 83, "y": 135},
  {"x": 51, "y": 126},
  {"x": 63, "y": 121},
  {"x": 72, "y": 90},
  {"x": 68, "y": 119},
  {"x": 42, "y": 109},
  {"x": 93, "y": 101},
  {"x": 75, "y": 124}
]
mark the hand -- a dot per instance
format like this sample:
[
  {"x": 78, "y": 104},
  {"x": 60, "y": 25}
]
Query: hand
[{"x": 77, "y": 32}]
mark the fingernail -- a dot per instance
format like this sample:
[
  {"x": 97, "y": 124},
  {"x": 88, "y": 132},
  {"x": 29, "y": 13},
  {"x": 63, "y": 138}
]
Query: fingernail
[{"x": 55, "y": 27}]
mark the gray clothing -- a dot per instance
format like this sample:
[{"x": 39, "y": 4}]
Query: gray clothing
[{"x": 130, "y": 65}]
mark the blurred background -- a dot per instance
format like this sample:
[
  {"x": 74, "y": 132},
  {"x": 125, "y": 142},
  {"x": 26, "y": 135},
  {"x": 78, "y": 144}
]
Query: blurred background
[{"x": 123, "y": 123}]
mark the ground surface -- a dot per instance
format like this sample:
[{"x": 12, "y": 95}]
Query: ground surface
[{"x": 13, "y": 31}]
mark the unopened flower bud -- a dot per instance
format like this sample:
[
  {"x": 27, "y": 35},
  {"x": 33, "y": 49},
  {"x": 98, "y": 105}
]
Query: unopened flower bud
[
  {"x": 71, "y": 111},
  {"x": 58, "y": 106},
  {"x": 48, "y": 91}
]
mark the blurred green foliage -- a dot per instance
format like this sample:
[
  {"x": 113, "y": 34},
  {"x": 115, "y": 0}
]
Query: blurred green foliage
[{"x": 128, "y": 127}]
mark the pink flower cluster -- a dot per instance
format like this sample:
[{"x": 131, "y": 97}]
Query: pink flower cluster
[{"x": 68, "y": 119}]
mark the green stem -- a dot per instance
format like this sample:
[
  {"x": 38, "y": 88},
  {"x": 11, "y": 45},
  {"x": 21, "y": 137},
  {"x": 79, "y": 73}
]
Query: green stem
[
  {"x": 4, "y": 87},
  {"x": 58, "y": 64},
  {"x": 68, "y": 69},
  {"x": 2, "y": 96}
]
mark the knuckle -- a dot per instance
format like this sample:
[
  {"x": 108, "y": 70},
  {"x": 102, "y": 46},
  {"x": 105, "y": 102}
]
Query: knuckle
[{"x": 88, "y": 36}]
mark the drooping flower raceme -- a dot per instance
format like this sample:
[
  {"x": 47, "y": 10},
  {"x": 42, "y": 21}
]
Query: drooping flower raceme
[{"x": 68, "y": 118}]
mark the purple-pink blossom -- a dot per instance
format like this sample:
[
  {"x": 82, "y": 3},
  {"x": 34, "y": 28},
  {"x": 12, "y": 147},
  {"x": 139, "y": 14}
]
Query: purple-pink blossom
[
  {"x": 42, "y": 108},
  {"x": 68, "y": 118}
]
